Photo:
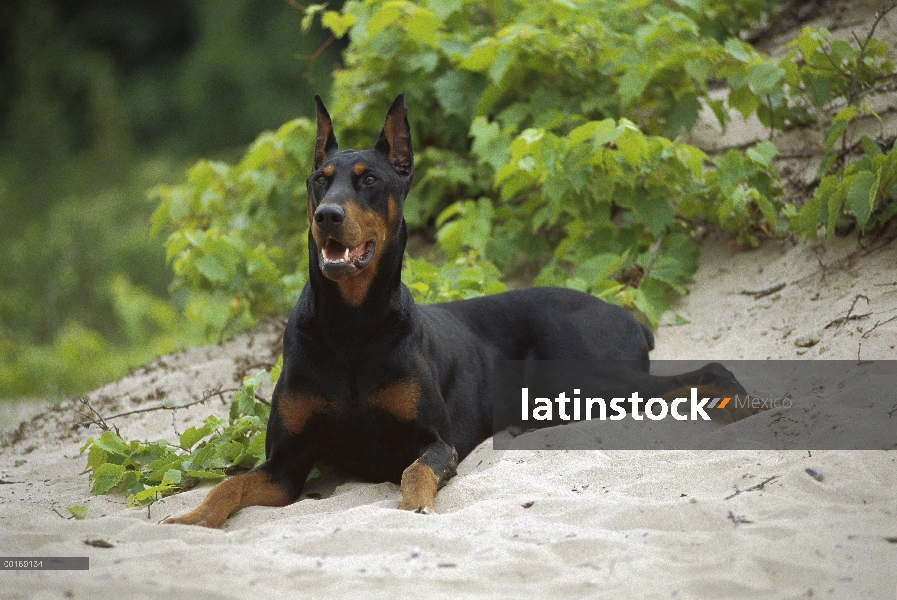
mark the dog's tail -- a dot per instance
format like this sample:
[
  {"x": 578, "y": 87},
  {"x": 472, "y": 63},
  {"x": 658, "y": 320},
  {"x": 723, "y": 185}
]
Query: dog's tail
[{"x": 649, "y": 337}]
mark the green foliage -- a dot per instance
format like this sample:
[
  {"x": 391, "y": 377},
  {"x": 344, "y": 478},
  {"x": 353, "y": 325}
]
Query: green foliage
[
  {"x": 216, "y": 448},
  {"x": 547, "y": 150},
  {"x": 465, "y": 277},
  {"x": 238, "y": 233},
  {"x": 544, "y": 141},
  {"x": 852, "y": 190},
  {"x": 149, "y": 326}
]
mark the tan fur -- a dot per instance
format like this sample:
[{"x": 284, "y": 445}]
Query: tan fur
[
  {"x": 419, "y": 486},
  {"x": 400, "y": 399},
  {"x": 295, "y": 411},
  {"x": 250, "y": 489}
]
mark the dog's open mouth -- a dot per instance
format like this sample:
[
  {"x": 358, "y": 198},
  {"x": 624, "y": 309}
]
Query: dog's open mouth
[{"x": 335, "y": 254}]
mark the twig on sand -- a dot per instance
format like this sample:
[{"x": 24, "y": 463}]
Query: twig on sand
[
  {"x": 757, "y": 294},
  {"x": 850, "y": 316},
  {"x": 101, "y": 421},
  {"x": 759, "y": 486},
  {"x": 877, "y": 324},
  {"x": 98, "y": 419}
]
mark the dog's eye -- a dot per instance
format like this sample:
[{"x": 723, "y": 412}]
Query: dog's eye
[
  {"x": 321, "y": 180},
  {"x": 369, "y": 180}
]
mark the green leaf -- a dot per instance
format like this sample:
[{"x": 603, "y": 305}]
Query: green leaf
[
  {"x": 765, "y": 77},
  {"x": 870, "y": 147},
  {"x": 599, "y": 267},
  {"x": 205, "y": 474},
  {"x": 651, "y": 300},
  {"x": 112, "y": 444},
  {"x": 106, "y": 477},
  {"x": 423, "y": 26},
  {"x": 584, "y": 132},
  {"x": 96, "y": 457},
  {"x": 684, "y": 114},
  {"x": 79, "y": 511},
  {"x": 818, "y": 87},
  {"x": 861, "y": 196},
  {"x": 338, "y": 23},
  {"x": 171, "y": 476},
  {"x": 763, "y": 153},
  {"x": 149, "y": 494},
  {"x": 482, "y": 56},
  {"x": 738, "y": 49},
  {"x": 633, "y": 83},
  {"x": 192, "y": 435},
  {"x": 743, "y": 100},
  {"x": 386, "y": 14},
  {"x": 212, "y": 269},
  {"x": 656, "y": 213},
  {"x": 276, "y": 369}
]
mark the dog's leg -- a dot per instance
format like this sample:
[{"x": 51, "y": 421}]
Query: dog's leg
[
  {"x": 423, "y": 478},
  {"x": 712, "y": 380},
  {"x": 277, "y": 482},
  {"x": 256, "y": 488}
]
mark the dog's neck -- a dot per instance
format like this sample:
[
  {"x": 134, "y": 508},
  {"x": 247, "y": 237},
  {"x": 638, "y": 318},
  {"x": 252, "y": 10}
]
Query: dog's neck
[{"x": 385, "y": 301}]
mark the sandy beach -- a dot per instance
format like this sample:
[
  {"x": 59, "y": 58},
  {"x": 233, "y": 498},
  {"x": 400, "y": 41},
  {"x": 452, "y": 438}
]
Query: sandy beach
[{"x": 513, "y": 523}]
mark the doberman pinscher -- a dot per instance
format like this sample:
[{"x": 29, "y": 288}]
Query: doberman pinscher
[{"x": 387, "y": 389}]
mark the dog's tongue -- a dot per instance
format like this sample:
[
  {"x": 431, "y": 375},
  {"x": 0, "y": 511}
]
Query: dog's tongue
[{"x": 333, "y": 250}]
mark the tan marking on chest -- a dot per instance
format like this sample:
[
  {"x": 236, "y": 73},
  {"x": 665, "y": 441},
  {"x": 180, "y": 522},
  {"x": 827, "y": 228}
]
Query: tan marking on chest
[
  {"x": 295, "y": 411},
  {"x": 400, "y": 399}
]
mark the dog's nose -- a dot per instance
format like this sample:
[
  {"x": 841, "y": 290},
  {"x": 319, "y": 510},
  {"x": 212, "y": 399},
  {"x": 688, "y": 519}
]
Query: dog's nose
[{"x": 330, "y": 216}]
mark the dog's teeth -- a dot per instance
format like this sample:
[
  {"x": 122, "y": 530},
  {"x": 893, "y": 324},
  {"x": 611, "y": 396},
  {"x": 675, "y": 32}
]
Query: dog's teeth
[{"x": 346, "y": 255}]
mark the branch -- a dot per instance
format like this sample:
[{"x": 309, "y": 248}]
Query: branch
[
  {"x": 101, "y": 421},
  {"x": 759, "y": 486},
  {"x": 865, "y": 44},
  {"x": 850, "y": 316},
  {"x": 98, "y": 420},
  {"x": 877, "y": 324},
  {"x": 765, "y": 292},
  {"x": 654, "y": 251}
]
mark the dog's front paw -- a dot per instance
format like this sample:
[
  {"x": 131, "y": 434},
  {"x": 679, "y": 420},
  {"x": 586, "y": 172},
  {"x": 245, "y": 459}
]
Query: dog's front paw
[
  {"x": 424, "y": 509},
  {"x": 196, "y": 517}
]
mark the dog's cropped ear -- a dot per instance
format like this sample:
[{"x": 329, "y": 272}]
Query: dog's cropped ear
[
  {"x": 395, "y": 139},
  {"x": 326, "y": 141}
]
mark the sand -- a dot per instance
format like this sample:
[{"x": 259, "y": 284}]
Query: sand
[{"x": 549, "y": 523}]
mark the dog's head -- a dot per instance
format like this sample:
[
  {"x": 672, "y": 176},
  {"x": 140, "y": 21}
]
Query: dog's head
[{"x": 355, "y": 200}]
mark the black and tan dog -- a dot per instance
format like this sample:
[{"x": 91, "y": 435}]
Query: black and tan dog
[{"x": 387, "y": 389}]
